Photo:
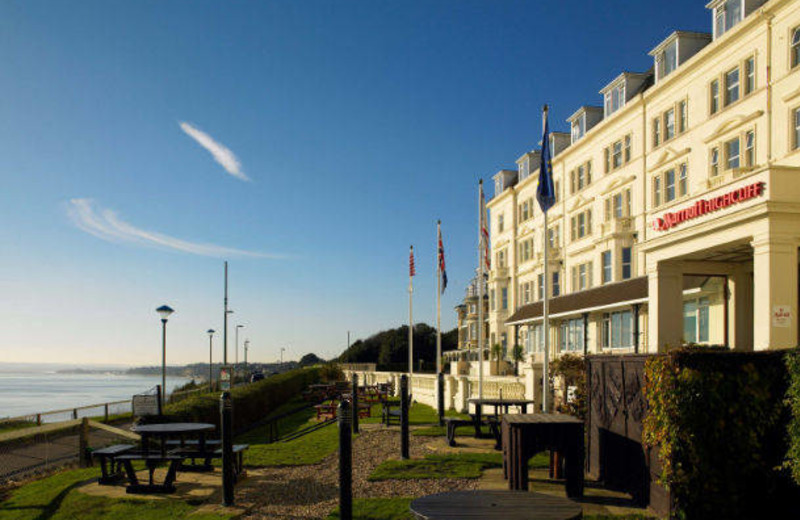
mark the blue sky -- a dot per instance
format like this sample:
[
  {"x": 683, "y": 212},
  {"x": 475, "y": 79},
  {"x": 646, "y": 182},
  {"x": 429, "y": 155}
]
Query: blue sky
[{"x": 358, "y": 124}]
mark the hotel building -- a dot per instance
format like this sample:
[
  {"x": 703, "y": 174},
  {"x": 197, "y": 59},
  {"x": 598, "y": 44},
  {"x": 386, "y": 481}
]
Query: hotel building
[{"x": 678, "y": 202}]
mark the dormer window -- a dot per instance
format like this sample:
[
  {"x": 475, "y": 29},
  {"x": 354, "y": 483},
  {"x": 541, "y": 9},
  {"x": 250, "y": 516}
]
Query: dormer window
[
  {"x": 578, "y": 127},
  {"x": 667, "y": 60},
  {"x": 523, "y": 169},
  {"x": 614, "y": 99},
  {"x": 726, "y": 15}
]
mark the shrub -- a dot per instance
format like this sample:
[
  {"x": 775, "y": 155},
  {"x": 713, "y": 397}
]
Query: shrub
[
  {"x": 793, "y": 402},
  {"x": 251, "y": 402},
  {"x": 573, "y": 369},
  {"x": 718, "y": 419}
]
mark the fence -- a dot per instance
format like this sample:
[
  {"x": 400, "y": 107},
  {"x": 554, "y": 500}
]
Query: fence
[{"x": 101, "y": 410}]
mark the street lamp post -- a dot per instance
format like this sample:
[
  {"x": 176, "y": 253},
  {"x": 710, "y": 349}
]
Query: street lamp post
[
  {"x": 236, "y": 355},
  {"x": 164, "y": 311},
  {"x": 210, "y": 360},
  {"x": 282, "y": 349},
  {"x": 246, "y": 348}
]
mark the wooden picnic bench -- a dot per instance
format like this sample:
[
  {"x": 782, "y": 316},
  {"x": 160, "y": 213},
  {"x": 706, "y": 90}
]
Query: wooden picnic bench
[
  {"x": 152, "y": 461},
  {"x": 328, "y": 410},
  {"x": 110, "y": 467},
  {"x": 453, "y": 422},
  {"x": 213, "y": 452},
  {"x": 391, "y": 410}
]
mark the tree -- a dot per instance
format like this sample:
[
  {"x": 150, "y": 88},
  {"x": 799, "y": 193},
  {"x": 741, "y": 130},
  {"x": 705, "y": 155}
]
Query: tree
[
  {"x": 517, "y": 354},
  {"x": 310, "y": 359},
  {"x": 389, "y": 348},
  {"x": 497, "y": 350}
]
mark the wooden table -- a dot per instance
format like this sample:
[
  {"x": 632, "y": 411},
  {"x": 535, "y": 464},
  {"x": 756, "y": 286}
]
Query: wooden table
[
  {"x": 507, "y": 505},
  {"x": 479, "y": 403},
  {"x": 525, "y": 435}
]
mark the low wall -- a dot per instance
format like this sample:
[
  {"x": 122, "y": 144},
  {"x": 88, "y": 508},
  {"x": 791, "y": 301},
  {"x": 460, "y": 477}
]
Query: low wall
[{"x": 458, "y": 389}]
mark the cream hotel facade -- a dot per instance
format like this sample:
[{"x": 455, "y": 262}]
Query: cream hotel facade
[{"x": 678, "y": 202}]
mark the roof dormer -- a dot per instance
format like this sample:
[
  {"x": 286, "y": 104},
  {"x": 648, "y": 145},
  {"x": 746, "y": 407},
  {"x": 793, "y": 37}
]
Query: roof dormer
[
  {"x": 675, "y": 50},
  {"x": 621, "y": 90},
  {"x": 504, "y": 179},
  {"x": 559, "y": 141},
  {"x": 528, "y": 164},
  {"x": 725, "y": 14},
  {"x": 583, "y": 120}
]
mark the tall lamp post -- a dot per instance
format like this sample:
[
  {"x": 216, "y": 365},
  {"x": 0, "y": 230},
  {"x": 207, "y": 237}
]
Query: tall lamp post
[
  {"x": 210, "y": 360},
  {"x": 246, "y": 348},
  {"x": 164, "y": 311},
  {"x": 282, "y": 349},
  {"x": 237, "y": 344}
]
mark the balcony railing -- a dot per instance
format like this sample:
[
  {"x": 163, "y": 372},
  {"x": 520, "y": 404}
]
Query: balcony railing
[{"x": 618, "y": 225}]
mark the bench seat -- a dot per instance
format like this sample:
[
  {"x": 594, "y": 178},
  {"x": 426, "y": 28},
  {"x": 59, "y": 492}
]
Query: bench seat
[{"x": 110, "y": 469}]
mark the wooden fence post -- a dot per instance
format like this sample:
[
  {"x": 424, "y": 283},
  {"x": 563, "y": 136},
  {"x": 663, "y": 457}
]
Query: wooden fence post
[{"x": 83, "y": 444}]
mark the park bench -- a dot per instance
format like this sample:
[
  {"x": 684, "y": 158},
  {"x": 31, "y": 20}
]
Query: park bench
[
  {"x": 213, "y": 451},
  {"x": 110, "y": 469},
  {"x": 152, "y": 461},
  {"x": 391, "y": 411},
  {"x": 492, "y": 422}
]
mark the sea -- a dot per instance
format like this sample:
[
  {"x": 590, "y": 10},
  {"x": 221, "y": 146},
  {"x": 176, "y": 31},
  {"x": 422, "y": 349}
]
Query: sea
[{"x": 30, "y": 388}]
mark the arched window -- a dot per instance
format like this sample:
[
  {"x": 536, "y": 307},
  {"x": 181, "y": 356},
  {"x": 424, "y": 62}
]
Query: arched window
[{"x": 796, "y": 47}]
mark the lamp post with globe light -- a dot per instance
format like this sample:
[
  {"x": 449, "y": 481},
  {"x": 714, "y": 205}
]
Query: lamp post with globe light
[{"x": 164, "y": 311}]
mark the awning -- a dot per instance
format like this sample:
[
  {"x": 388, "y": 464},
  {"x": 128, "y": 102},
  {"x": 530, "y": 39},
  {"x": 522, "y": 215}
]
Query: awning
[{"x": 597, "y": 298}]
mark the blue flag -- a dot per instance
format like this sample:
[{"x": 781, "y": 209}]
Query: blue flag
[{"x": 545, "y": 192}]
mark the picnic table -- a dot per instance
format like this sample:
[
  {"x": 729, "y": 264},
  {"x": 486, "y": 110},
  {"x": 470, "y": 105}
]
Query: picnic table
[
  {"x": 508, "y": 505},
  {"x": 524, "y": 435},
  {"x": 152, "y": 459}
]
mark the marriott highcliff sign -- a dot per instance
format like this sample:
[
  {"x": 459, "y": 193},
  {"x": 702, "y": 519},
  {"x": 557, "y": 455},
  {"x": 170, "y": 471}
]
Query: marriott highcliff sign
[{"x": 706, "y": 206}]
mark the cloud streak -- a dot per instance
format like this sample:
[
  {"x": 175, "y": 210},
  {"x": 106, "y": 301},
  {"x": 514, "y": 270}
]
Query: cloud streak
[
  {"x": 222, "y": 154},
  {"x": 106, "y": 225}
]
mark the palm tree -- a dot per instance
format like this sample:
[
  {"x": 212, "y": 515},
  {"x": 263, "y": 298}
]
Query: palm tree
[
  {"x": 497, "y": 350},
  {"x": 517, "y": 354}
]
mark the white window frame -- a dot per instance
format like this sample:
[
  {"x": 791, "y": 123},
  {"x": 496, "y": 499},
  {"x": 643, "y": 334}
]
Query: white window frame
[{"x": 607, "y": 266}]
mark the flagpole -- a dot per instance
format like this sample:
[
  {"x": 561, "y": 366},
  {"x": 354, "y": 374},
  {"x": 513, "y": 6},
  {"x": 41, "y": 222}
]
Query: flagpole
[
  {"x": 438, "y": 300},
  {"x": 481, "y": 264},
  {"x": 411, "y": 318},
  {"x": 545, "y": 325}
]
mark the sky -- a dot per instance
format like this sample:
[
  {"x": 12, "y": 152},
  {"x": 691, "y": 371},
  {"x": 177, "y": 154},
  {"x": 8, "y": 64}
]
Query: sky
[{"x": 307, "y": 142}]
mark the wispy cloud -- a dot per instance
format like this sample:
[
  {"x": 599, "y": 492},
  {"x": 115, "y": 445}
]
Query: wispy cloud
[
  {"x": 105, "y": 224},
  {"x": 222, "y": 154}
]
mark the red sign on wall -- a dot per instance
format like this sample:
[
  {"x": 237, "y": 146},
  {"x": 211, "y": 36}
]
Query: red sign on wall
[{"x": 706, "y": 206}]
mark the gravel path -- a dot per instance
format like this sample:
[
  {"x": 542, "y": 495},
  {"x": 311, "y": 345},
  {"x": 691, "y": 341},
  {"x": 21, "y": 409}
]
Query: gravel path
[{"x": 311, "y": 492}]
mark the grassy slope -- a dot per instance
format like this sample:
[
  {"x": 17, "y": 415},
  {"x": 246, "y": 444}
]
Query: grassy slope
[
  {"x": 55, "y": 498},
  {"x": 454, "y": 465}
]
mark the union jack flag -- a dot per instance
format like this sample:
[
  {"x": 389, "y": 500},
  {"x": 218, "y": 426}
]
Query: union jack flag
[
  {"x": 411, "y": 270},
  {"x": 441, "y": 259}
]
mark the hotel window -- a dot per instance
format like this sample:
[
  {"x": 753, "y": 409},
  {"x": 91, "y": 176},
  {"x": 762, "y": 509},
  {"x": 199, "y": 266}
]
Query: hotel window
[
  {"x": 669, "y": 124},
  {"x": 556, "y": 289},
  {"x": 523, "y": 212},
  {"x": 726, "y": 16},
  {"x": 667, "y": 60},
  {"x": 582, "y": 276},
  {"x": 714, "y": 94},
  {"x": 750, "y": 148},
  {"x": 535, "y": 339},
  {"x": 731, "y": 86},
  {"x": 682, "y": 116},
  {"x": 498, "y": 186},
  {"x": 523, "y": 170},
  {"x": 656, "y": 131},
  {"x": 695, "y": 321},
  {"x": 581, "y": 177},
  {"x": 607, "y": 267},
  {"x": 473, "y": 331},
  {"x": 500, "y": 223},
  {"x": 491, "y": 299},
  {"x": 552, "y": 235},
  {"x": 732, "y": 154},
  {"x": 578, "y": 127},
  {"x": 749, "y": 75},
  {"x": 795, "y": 47},
  {"x": 501, "y": 258},
  {"x": 618, "y": 205},
  {"x": 626, "y": 263},
  {"x": 656, "y": 191},
  {"x": 572, "y": 335},
  {"x": 581, "y": 224},
  {"x": 682, "y": 180},
  {"x": 627, "y": 148},
  {"x": 796, "y": 128},
  {"x": 668, "y": 181},
  {"x": 504, "y": 298},
  {"x": 714, "y": 162},
  {"x": 669, "y": 185},
  {"x": 616, "y": 157},
  {"x": 618, "y": 329},
  {"x": 607, "y": 160},
  {"x": 525, "y": 250},
  {"x": 614, "y": 99},
  {"x": 527, "y": 293},
  {"x": 540, "y": 286}
]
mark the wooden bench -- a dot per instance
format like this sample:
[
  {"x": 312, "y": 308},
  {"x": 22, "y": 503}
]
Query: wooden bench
[
  {"x": 152, "y": 461},
  {"x": 492, "y": 422},
  {"x": 389, "y": 414},
  {"x": 193, "y": 452},
  {"x": 108, "y": 461},
  {"x": 326, "y": 411},
  {"x": 453, "y": 423}
]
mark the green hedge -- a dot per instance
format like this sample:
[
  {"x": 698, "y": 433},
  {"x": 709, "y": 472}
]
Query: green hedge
[
  {"x": 793, "y": 401},
  {"x": 720, "y": 420},
  {"x": 251, "y": 402}
]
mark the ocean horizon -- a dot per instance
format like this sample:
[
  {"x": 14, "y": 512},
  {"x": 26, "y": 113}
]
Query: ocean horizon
[{"x": 30, "y": 388}]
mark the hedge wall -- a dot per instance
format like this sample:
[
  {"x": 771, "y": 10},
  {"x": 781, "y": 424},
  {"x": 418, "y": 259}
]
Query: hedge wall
[
  {"x": 251, "y": 402},
  {"x": 720, "y": 420}
]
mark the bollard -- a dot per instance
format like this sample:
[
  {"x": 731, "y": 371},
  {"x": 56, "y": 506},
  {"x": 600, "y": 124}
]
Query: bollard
[
  {"x": 345, "y": 462},
  {"x": 440, "y": 397},
  {"x": 83, "y": 444},
  {"x": 226, "y": 423},
  {"x": 355, "y": 403},
  {"x": 404, "y": 416}
]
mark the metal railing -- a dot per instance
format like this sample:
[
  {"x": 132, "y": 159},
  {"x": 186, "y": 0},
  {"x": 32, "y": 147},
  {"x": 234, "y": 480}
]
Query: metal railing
[{"x": 104, "y": 410}]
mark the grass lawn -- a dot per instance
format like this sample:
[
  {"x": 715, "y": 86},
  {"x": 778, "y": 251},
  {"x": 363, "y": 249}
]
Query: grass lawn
[
  {"x": 11, "y": 426},
  {"x": 55, "y": 498},
  {"x": 455, "y": 465},
  {"x": 418, "y": 414},
  {"x": 399, "y": 509},
  {"x": 308, "y": 449},
  {"x": 378, "y": 509}
]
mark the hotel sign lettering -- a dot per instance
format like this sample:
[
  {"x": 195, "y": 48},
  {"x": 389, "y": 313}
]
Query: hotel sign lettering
[{"x": 706, "y": 206}]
